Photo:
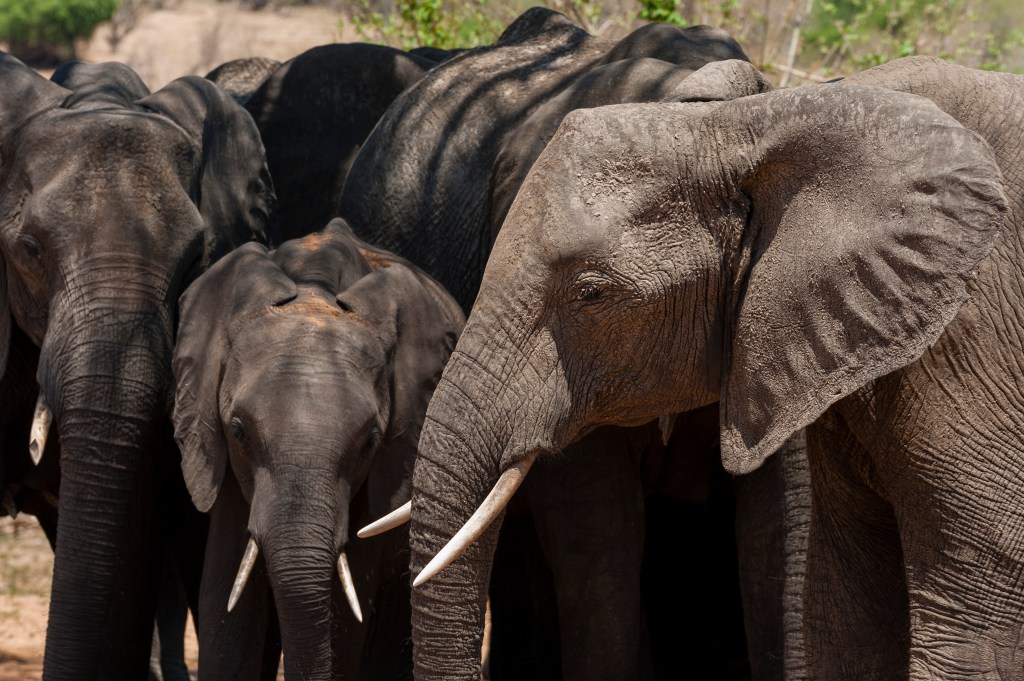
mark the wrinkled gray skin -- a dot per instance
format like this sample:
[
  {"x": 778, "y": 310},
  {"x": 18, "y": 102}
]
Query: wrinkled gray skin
[
  {"x": 422, "y": 186},
  {"x": 240, "y": 78},
  {"x": 315, "y": 112},
  {"x": 838, "y": 257},
  {"x": 113, "y": 200},
  {"x": 308, "y": 369}
]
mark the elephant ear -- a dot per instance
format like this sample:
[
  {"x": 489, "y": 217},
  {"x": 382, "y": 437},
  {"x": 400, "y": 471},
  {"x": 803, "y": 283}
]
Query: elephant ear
[
  {"x": 235, "y": 193},
  {"x": 871, "y": 211},
  {"x": 241, "y": 282},
  {"x": 26, "y": 94},
  {"x": 422, "y": 322},
  {"x": 718, "y": 82}
]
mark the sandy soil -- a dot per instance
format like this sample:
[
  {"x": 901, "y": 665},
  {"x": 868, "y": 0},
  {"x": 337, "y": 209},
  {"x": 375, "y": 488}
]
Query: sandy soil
[
  {"x": 194, "y": 36},
  {"x": 26, "y": 566}
]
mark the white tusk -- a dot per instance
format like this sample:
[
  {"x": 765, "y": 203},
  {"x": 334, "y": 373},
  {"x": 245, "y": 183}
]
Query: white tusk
[
  {"x": 40, "y": 429},
  {"x": 345, "y": 574},
  {"x": 400, "y": 516},
  {"x": 244, "y": 570},
  {"x": 666, "y": 424},
  {"x": 478, "y": 523},
  {"x": 10, "y": 505}
]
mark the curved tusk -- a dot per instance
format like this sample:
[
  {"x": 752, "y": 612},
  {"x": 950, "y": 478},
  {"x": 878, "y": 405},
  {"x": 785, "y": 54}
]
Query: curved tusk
[
  {"x": 244, "y": 570},
  {"x": 345, "y": 574},
  {"x": 400, "y": 516},
  {"x": 491, "y": 507},
  {"x": 40, "y": 429}
]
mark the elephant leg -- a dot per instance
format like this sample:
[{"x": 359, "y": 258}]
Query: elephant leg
[
  {"x": 588, "y": 509},
  {"x": 387, "y": 643},
  {"x": 855, "y": 609},
  {"x": 773, "y": 515},
  {"x": 231, "y": 644},
  {"x": 525, "y": 642}
]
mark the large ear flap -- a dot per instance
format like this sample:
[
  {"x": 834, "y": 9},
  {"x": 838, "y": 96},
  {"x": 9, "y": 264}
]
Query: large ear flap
[
  {"x": 871, "y": 211},
  {"x": 236, "y": 195},
  {"x": 26, "y": 94},
  {"x": 425, "y": 322},
  {"x": 243, "y": 280}
]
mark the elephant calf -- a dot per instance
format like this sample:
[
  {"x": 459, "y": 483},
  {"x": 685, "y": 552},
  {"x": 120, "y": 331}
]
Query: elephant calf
[{"x": 309, "y": 369}]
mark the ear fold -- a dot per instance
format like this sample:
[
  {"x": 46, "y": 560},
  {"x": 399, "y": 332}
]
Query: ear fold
[
  {"x": 426, "y": 322},
  {"x": 236, "y": 195},
  {"x": 871, "y": 211},
  {"x": 244, "y": 280},
  {"x": 718, "y": 82},
  {"x": 26, "y": 94}
]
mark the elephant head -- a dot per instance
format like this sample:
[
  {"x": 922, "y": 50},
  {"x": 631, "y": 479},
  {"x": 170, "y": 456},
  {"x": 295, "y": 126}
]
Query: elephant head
[
  {"x": 772, "y": 254},
  {"x": 113, "y": 199},
  {"x": 308, "y": 370}
]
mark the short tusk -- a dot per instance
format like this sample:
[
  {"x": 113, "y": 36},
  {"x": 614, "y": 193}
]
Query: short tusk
[
  {"x": 396, "y": 518},
  {"x": 244, "y": 570},
  {"x": 10, "y": 505},
  {"x": 40, "y": 429},
  {"x": 345, "y": 574},
  {"x": 492, "y": 506}
]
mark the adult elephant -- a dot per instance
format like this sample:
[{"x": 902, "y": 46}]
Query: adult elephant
[
  {"x": 314, "y": 113},
  {"x": 113, "y": 200},
  {"x": 883, "y": 222},
  {"x": 303, "y": 377},
  {"x": 431, "y": 183}
]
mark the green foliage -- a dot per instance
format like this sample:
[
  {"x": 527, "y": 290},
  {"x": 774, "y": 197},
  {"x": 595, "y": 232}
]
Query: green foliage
[
  {"x": 51, "y": 24},
  {"x": 661, "y": 10},
  {"x": 871, "y": 32},
  {"x": 445, "y": 24}
]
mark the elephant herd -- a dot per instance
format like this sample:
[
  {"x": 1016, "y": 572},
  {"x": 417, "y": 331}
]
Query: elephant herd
[{"x": 685, "y": 376}]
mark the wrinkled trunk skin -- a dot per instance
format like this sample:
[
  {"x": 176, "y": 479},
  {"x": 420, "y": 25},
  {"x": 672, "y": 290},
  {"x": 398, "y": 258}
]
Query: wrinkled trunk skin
[
  {"x": 105, "y": 369},
  {"x": 300, "y": 560},
  {"x": 457, "y": 465},
  {"x": 294, "y": 521}
]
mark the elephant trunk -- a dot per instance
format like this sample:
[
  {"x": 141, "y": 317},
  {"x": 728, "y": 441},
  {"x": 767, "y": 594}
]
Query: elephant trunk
[
  {"x": 301, "y": 558},
  {"x": 104, "y": 368},
  {"x": 466, "y": 439}
]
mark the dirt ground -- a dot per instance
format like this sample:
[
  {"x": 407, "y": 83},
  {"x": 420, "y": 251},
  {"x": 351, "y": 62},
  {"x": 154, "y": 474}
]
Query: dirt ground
[
  {"x": 26, "y": 565},
  {"x": 194, "y": 36}
]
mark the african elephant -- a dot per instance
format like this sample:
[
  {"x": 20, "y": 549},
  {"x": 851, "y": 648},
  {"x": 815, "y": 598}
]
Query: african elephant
[
  {"x": 840, "y": 257},
  {"x": 303, "y": 376},
  {"x": 432, "y": 182},
  {"x": 314, "y": 112},
  {"x": 113, "y": 200}
]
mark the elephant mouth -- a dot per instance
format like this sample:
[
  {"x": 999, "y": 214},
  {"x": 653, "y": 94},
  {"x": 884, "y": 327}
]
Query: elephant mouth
[{"x": 252, "y": 552}]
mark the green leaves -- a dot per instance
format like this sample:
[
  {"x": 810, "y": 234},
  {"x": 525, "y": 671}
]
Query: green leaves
[{"x": 51, "y": 23}]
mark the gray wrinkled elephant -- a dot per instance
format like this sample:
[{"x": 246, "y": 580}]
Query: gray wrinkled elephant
[
  {"x": 303, "y": 377},
  {"x": 839, "y": 257},
  {"x": 113, "y": 199},
  {"x": 432, "y": 183}
]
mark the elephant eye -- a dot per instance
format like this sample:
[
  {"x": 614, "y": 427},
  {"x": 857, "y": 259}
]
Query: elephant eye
[
  {"x": 237, "y": 428},
  {"x": 32, "y": 247},
  {"x": 590, "y": 292}
]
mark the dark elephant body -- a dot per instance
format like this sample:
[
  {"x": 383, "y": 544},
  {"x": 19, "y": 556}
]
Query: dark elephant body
[
  {"x": 303, "y": 377},
  {"x": 113, "y": 199},
  {"x": 838, "y": 257},
  {"x": 314, "y": 112}
]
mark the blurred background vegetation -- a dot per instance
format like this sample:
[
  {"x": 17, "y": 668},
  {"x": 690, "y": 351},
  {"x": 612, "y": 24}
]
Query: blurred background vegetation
[{"x": 791, "y": 40}]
